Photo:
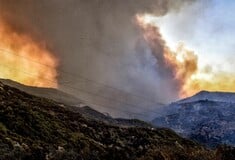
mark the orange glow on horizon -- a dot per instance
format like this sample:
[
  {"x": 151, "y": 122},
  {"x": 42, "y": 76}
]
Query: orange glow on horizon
[{"x": 24, "y": 60}]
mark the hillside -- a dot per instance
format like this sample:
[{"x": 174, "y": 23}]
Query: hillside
[
  {"x": 93, "y": 114},
  {"x": 38, "y": 128},
  {"x": 207, "y": 117},
  {"x": 50, "y": 93},
  {"x": 211, "y": 96},
  {"x": 74, "y": 104}
]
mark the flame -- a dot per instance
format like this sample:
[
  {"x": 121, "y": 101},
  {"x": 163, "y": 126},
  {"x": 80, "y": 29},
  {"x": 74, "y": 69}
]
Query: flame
[
  {"x": 24, "y": 60},
  {"x": 184, "y": 63}
]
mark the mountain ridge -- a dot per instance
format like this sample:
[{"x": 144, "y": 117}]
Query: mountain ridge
[
  {"x": 37, "y": 128},
  {"x": 74, "y": 104},
  {"x": 50, "y": 93},
  {"x": 207, "y": 117},
  {"x": 210, "y": 95}
]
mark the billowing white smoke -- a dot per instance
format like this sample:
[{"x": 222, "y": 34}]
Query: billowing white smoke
[{"x": 99, "y": 40}]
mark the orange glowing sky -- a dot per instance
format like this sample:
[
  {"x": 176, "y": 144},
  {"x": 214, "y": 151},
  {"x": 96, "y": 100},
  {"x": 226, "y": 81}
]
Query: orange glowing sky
[
  {"x": 25, "y": 60},
  {"x": 198, "y": 46}
]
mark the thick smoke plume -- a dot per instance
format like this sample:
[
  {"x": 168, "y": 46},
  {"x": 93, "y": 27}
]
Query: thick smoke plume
[
  {"x": 182, "y": 64},
  {"x": 99, "y": 40},
  {"x": 179, "y": 65}
]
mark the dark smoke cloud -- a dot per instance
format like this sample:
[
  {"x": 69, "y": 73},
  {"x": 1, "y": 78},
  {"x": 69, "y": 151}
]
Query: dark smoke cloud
[{"x": 98, "y": 39}]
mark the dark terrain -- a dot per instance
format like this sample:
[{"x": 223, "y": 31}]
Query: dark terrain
[
  {"x": 74, "y": 104},
  {"x": 207, "y": 117},
  {"x": 39, "y": 128},
  {"x": 49, "y": 93}
]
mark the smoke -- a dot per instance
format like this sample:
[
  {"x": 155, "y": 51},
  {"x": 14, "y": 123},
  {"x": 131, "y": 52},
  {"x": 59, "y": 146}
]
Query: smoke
[
  {"x": 211, "y": 80},
  {"x": 18, "y": 54},
  {"x": 182, "y": 64},
  {"x": 99, "y": 40},
  {"x": 178, "y": 65}
]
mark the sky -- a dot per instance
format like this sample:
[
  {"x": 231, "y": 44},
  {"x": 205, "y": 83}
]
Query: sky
[
  {"x": 100, "y": 51},
  {"x": 206, "y": 28}
]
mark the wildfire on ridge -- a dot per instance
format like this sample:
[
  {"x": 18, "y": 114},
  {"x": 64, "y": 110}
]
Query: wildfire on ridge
[
  {"x": 184, "y": 63},
  {"x": 24, "y": 60}
]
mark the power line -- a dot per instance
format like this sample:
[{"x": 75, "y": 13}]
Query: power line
[
  {"x": 66, "y": 85},
  {"x": 84, "y": 78},
  {"x": 90, "y": 93}
]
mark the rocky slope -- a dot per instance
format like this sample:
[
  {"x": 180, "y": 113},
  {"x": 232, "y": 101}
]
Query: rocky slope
[
  {"x": 207, "y": 117},
  {"x": 38, "y": 128}
]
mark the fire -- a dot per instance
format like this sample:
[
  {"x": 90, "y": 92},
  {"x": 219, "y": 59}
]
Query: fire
[
  {"x": 184, "y": 63},
  {"x": 24, "y": 60}
]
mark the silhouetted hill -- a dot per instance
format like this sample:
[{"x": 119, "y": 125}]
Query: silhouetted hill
[
  {"x": 39, "y": 128},
  {"x": 50, "y": 93},
  {"x": 74, "y": 104},
  {"x": 92, "y": 114}
]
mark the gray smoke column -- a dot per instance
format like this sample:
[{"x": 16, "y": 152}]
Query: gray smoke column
[{"x": 98, "y": 39}]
